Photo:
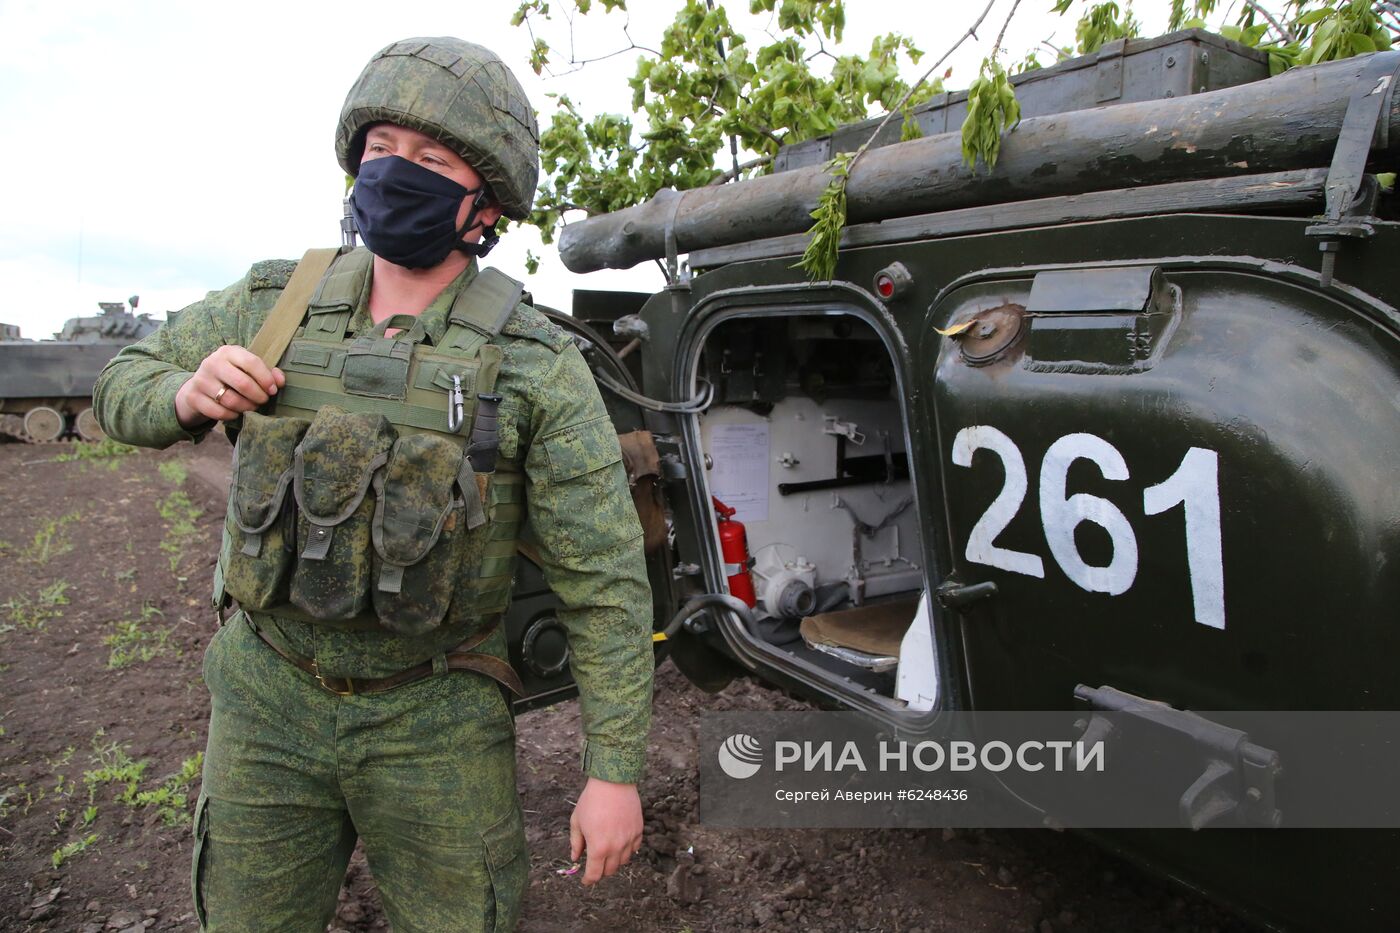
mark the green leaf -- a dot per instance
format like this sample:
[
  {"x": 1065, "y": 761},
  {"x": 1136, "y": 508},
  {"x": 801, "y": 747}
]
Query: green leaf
[
  {"x": 992, "y": 110},
  {"x": 689, "y": 99},
  {"x": 1177, "y": 16},
  {"x": 824, "y": 237},
  {"x": 1361, "y": 45},
  {"x": 909, "y": 128}
]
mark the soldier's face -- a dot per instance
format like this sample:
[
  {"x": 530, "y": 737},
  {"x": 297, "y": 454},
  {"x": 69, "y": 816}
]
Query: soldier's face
[{"x": 388, "y": 139}]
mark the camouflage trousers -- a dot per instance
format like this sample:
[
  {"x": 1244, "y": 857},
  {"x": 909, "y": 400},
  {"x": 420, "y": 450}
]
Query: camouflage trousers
[{"x": 424, "y": 774}]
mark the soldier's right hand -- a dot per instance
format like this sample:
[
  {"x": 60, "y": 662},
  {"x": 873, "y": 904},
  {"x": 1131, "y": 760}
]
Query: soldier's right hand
[{"x": 229, "y": 381}]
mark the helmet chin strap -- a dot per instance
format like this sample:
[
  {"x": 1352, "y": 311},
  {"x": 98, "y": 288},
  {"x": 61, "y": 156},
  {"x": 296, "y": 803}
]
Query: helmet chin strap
[{"x": 489, "y": 236}]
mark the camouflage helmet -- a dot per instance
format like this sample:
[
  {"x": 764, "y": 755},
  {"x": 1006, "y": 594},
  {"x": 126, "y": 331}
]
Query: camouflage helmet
[{"x": 462, "y": 95}]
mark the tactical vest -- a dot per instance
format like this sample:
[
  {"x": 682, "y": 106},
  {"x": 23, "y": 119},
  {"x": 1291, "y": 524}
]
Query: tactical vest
[{"x": 369, "y": 492}]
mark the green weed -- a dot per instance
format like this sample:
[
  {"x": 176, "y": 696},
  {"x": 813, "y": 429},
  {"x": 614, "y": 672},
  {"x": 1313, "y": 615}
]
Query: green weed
[
  {"x": 171, "y": 799},
  {"x": 30, "y": 798},
  {"x": 105, "y": 449},
  {"x": 33, "y": 613},
  {"x": 65, "y": 852},
  {"x": 132, "y": 642},
  {"x": 190, "y": 769},
  {"x": 173, "y": 471},
  {"x": 168, "y": 803},
  {"x": 50, "y": 541},
  {"x": 114, "y": 766},
  {"x": 181, "y": 516}
]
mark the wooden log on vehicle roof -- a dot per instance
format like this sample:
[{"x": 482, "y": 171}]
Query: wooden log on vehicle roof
[{"x": 1291, "y": 121}]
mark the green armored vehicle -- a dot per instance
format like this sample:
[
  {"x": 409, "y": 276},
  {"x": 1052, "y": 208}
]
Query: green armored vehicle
[
  {"x": 1116, "y": 422},
  {"x": 46, "y": 385}
]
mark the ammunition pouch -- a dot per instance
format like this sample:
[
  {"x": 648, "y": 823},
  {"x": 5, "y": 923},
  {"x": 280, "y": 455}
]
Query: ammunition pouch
[
  {"x": 352, "y": 523},
  {"x": 260, "y": 524},
  {"x": 335, "y": 464},
  {"x": 355, "y": 504},
  {"x": 427, "y": 531}
]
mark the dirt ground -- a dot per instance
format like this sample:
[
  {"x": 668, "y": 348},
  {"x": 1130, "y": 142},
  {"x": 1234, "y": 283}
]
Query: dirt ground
[{"x": 104, "y": 570}]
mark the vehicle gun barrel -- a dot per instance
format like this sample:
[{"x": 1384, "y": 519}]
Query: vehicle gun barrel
[{"x": 1287, "y": 122}]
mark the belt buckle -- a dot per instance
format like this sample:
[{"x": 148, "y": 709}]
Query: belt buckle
[{"x": 349, "y": 690}]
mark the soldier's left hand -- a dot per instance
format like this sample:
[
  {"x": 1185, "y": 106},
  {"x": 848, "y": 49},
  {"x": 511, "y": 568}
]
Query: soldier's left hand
[{"x": 607, "y": 824}]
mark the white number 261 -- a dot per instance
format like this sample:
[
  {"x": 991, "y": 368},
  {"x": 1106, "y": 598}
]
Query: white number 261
[{"x": 1195, "y": 485}]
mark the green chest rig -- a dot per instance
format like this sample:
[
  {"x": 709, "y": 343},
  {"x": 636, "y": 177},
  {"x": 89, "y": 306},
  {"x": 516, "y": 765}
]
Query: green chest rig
[{"x": 370, "y": 492}]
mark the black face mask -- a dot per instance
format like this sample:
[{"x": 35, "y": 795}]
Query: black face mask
[{"x": 407, "y": 214}]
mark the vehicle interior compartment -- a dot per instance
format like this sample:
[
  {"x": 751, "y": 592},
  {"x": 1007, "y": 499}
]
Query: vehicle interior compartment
[{"x": 805, "y": 442}]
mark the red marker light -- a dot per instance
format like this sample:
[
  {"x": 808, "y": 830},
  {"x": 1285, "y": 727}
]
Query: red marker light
[{"x": 892, "y": 281}]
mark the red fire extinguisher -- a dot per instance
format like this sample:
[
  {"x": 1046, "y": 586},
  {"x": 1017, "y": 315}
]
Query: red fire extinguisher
[{"x": 734, "y": 546}]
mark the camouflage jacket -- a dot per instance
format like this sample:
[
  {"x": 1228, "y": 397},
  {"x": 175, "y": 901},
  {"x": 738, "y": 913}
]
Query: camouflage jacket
[{"x": 583, "y": 523}]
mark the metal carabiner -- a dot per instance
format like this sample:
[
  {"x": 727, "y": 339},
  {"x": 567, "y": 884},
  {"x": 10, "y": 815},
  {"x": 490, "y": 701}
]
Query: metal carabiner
[{"x": 456, "y": 409}]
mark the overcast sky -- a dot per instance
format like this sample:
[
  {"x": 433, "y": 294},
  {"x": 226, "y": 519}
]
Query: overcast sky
[{"x": 159, "y": 148}]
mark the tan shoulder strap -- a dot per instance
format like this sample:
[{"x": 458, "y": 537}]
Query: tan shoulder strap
[{"x": 282, "y": 321}]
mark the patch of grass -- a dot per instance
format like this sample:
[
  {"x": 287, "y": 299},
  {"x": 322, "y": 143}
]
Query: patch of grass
[
  {"x": 114, "y": 766},
  {"x": 133, "y": 642},
  {"x": 32, "y": 613},
  {"x": 30, "y": 798},
  {"x": 10, "y": 798},
  {"x": 171, "y": 799},
  {"x": 179, "y": 512},
  {"x": 173, "y": 471},
  {"x": 50, "y": 541},
  {"x": 62, "y": 786},
  {"x": 181, "y": 516},
  {"x": 65, "y": 852},
  {"x": 53, "y": 594},
  {"x": 105, "y": 449},
  {"x": 190, "y": 769}
]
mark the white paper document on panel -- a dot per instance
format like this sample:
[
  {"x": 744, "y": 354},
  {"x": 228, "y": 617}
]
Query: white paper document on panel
[{"x": 739, "y": 477}]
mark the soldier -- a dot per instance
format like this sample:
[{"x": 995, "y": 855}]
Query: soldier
[{"x": 370, "y": 556}]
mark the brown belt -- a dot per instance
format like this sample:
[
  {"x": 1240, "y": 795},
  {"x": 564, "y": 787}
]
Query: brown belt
[{"x": 459, "y": 658}]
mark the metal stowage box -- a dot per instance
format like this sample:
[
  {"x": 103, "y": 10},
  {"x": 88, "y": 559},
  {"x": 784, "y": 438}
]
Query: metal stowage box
[{"x": 1123, "y": 71}]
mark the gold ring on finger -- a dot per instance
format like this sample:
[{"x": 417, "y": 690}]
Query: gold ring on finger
[{"x": 220, "y": 394}]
